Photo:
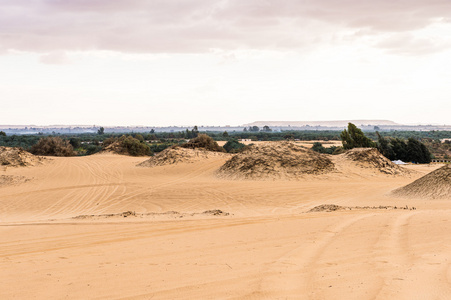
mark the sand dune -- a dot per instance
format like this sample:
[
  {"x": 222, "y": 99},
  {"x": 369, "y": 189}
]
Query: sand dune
[
  {"x": 268, "y": 247},
  {"x": 17, "y": 157},
  {"x": 435, "y": 185},
  {"x": 281, "y": 160},
  {"x": 176, "y": 155}
]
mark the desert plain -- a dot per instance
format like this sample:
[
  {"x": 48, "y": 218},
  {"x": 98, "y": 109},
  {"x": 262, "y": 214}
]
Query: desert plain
[{"x": 101, "y": 227}]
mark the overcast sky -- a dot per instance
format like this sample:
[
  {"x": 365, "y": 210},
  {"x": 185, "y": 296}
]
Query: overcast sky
[{"x": 204, "y": 62}]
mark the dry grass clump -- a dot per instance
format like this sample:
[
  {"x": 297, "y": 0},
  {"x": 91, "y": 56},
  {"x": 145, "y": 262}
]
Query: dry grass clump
[
  {"x": 371, "y": 158},
  {"x": 52, "y": 146},
  {"x": 203, "y": 141},
  {"x": 435, "y": 185},
  {"x": 17, "y": 157},
  {"x": 175, "y": 155},
  {"x": 276, "y": 161}
]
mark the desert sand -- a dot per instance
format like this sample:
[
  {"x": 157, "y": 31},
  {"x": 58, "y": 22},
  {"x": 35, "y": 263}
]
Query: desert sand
[{"x": 100, "y": 227}]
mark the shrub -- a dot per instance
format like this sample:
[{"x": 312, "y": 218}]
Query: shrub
[
  {"x": 338, "y": 150},
  {"x": 318, "y": 147},
  {"x": 52, "y": 146},
  {"x": 109, "y": 141},
  {"x": 233, "y": 146},
  {"x": 127, "y": 145},
  {"x": 91, "y": 149},
  {"x": 75, "y": 142},
  {"x": 205, "y": 142}
]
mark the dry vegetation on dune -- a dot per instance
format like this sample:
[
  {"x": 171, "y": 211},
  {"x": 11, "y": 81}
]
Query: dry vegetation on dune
[
  {"x": 176, "y": 154},
  {"x": 276, "y": 161},
  {"x": 53, "y": 146},
  {"x": 126, "y": 145},
  {"x": 200, "y": 148},
  {"x": 371, "y": 158},
  {"x": 203, "y": 141},
  {"x": 435, "y": 185},
  {"x": 17, "y": 157},
  {"x": 288, "y": 161},
  {"x": 12, "y": 180}
]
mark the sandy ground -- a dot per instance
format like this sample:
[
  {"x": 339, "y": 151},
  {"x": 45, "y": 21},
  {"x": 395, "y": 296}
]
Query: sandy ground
[{"x": 269, "y": 247}]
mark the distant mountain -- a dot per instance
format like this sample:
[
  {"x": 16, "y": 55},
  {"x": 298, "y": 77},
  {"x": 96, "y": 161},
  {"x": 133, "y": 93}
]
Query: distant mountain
[{"x": 342, "y": 123}]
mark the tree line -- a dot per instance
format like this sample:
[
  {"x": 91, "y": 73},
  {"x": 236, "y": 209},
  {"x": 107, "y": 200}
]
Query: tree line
[{"x": 403, "y": 145}]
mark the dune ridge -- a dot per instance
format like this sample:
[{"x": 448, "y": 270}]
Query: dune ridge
[{"x": 435, "y": 185}]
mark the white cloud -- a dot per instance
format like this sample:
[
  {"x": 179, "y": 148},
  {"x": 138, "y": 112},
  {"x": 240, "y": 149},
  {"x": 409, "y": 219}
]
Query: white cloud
[
  {"x": 54, "y": 58},
  {"x": 187, "y": 26}
]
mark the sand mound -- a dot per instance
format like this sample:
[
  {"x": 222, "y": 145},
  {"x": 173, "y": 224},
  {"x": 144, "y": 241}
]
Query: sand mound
[
  {"x": 175, "y": 155},
  {"x": 371, "y": 158},
  {"x": 113, "y": 148},
  {"x": 17, "y": 157},
  {"x": 435, "y": 185},
  {"x": 277, "y": 161},
  {"x": 12, "y": 180}
]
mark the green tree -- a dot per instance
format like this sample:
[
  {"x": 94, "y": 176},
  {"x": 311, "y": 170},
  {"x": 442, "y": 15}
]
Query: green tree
[
  {"x": 195, "y": 131},
  {"x": 91, "y": 149},
  {"x": 289, "y": 136},
  {"x": 75, "y": 142},
  {"x": 355, "y": 138},
  {"x": 139, "y": 137},
  {"x": 418, "y": 152},
  {"x": 266, "y": 128},
  {"x": 188, "y": 134},
  {"x": 384, "y": 146},
  {"x": 225, "y": 134},
  {"x": 399, "y": 147},
  {"x": 101, "y": 131},
  {"x": 2, "y": 133}
]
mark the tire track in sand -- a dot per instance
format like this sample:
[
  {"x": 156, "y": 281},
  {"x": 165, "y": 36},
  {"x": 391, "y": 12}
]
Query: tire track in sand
[{"x": 291, "y": 273}]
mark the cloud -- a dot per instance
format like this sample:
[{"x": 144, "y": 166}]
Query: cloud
[
  {"x": 407, "y": 44},
  {"x": 54, "y": 58},
  {"x": 190, "y": 26}
]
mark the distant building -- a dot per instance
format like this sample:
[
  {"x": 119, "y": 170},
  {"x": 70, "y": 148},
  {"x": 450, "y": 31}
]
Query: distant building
[
  {"x": 445, "y": 140},
  {"x": 245, "y": 140}
]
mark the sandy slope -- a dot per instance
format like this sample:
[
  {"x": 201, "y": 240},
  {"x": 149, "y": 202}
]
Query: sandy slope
[{"x": 268, "y": 248}]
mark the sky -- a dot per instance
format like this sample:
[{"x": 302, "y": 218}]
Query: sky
[{"x": 224, "y": 62}]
